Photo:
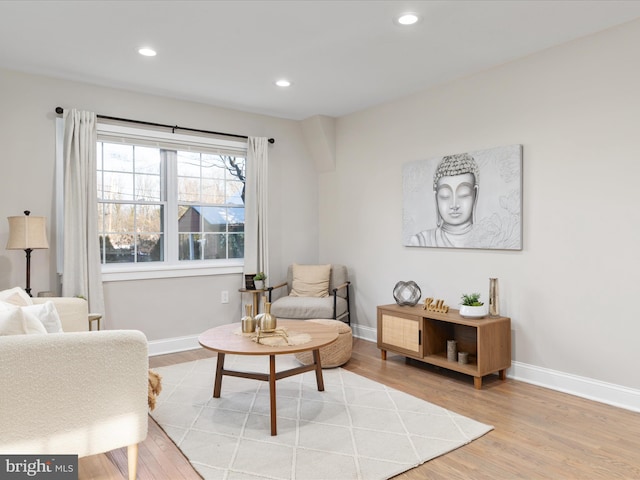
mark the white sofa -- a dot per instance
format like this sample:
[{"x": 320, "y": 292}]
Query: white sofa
[{"x": 77, "y": 392}]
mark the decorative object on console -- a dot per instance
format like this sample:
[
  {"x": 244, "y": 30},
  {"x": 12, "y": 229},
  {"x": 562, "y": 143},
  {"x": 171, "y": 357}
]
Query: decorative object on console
[
  {"x": 494, "y": 298},
  {"x": 472, "y": 307},
  {"x": 27, "y": 233},
  {"x": 266, "y": 321},
  {"x": 436, "y": 305},
  {"x": 258, "y": 316},
  {"x": 463, "y": 358},
  {"x": 407, "y": 293},
  {"x": 259, "y": 280},
  {"x": 248, "y": 281},
  {"x": 248, "y": 322},
  {"x": 452, "y": 350}
]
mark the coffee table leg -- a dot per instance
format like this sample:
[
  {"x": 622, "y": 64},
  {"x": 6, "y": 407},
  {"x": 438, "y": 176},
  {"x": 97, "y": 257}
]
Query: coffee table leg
[
  {"x": 272, "y": 393},
  {"x": 316, "y": 361},
  {"x": 217, "y": 384}
]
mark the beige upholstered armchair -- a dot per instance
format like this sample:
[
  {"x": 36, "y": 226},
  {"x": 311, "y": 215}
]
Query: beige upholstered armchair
[{"x": 312, "y": 291}]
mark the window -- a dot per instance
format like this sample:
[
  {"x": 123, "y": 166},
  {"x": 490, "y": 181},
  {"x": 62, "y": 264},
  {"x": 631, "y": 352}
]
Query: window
[
  {"x": 210, "y": 206},
  {"x": 168, "y": 200},
  {"x": 131, "y": 203}
]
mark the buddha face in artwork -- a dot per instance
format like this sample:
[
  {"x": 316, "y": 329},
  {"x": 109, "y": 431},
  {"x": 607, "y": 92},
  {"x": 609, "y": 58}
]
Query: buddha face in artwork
[{"x": 455, "y": 185}]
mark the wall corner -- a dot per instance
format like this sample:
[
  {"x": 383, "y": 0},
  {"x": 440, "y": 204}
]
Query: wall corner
[{"x": 319, "y": 134}]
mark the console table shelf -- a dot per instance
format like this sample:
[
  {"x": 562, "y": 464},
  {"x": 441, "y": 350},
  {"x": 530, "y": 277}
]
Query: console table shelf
[{"x": 422, "y": 335}]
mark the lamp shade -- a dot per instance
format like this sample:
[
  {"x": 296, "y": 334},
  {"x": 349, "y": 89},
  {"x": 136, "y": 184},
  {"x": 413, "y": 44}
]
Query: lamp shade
[{"x": 27, "y": 232}]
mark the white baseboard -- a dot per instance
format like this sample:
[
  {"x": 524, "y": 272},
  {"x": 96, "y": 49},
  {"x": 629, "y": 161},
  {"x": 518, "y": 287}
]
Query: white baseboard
[
  {"x": 589, "y": 388},
  {"x": 173, "y": 345},
  {"x": 609, "y": 393},
  {"x": 365, "y": 333}
]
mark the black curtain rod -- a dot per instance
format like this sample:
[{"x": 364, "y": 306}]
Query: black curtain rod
[{"x": 60, "y": 110}]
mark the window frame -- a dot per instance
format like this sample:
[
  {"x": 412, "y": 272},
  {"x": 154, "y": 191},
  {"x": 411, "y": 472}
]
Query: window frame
[{"x": 171, "y": 266}]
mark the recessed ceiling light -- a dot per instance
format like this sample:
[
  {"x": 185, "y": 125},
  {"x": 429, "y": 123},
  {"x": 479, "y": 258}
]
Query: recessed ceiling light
[
  {"x": 408, "y": 18},
  {"x": 283, "y": 83},
  {"x": 147, "y": 52}
]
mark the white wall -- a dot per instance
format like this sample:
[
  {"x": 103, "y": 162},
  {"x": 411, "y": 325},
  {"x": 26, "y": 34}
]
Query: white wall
[
  {"x": 163, "y": 308},
  {"x": 570, "y": 291}
]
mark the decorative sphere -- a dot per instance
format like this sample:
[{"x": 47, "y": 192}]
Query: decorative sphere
[{"x": 407, "y": 293}]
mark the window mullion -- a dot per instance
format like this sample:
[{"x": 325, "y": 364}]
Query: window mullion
[{"x": 171, "y": 212}]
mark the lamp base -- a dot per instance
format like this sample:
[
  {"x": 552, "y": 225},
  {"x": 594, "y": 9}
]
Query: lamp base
[{"x": 28, "y": 251}]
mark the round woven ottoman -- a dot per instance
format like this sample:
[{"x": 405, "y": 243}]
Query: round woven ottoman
[{"x": 333, "y": 355}]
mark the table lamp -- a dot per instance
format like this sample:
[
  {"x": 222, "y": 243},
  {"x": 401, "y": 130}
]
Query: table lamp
[{"x": 27, "y": 233}]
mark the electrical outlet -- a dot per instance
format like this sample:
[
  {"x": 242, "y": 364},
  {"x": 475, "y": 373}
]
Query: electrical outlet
[{"x": 224, "y": 296}]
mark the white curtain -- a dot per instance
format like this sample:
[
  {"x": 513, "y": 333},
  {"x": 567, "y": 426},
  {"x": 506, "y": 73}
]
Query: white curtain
[
  {"x": 82, "y": 271},
  {"x": 256, "y": 233}
]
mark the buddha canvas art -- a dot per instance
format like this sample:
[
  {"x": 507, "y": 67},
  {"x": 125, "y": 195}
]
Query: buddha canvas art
[{"x": 465, "y": 200}]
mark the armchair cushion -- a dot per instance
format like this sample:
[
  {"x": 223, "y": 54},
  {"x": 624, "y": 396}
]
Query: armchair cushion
[
  {"x": 301, "y": 308},
  {"x": 310, "y": 280}
]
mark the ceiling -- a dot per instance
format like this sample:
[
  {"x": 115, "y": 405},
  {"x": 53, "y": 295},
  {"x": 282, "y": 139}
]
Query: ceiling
[{"x": 342, "y": 56}]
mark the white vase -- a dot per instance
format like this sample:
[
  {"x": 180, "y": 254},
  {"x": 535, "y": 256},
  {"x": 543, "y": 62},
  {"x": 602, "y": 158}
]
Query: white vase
[
  {"x": 468, "y": 311},
  {"x": 259, "y": 284}
]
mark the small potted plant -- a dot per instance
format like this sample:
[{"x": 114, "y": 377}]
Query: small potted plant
[
  {"x": 259, "y": 280},
  {"x": 472, "y": 307}
]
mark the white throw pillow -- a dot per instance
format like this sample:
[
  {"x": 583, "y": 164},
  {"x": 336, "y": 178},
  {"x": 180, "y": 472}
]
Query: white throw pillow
[
  {"x": 16, "y": 296},
  {"x": 310, "y": 280},
  {"x": 11, "y": 321},
  {"x": 7, "y": 306},
  {"x": 45, "y": 314}
]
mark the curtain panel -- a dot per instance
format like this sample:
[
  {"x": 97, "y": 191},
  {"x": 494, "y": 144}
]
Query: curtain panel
[
  {"x": 82, "y": 275},
  {"x": 256, "y": 243}
]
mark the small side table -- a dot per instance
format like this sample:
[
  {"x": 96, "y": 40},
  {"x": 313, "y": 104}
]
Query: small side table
[
  {"x": 256, "y": 297},
  {"x": 94, "y": 317}
]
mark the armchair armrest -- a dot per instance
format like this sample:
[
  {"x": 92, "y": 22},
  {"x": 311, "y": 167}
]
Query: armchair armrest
[
  {"x": 344, "y": 285},
  {"x": 270, "y": 289},
  {"x": 347, "y": 314},
  {"x": 79, "y": 393}
]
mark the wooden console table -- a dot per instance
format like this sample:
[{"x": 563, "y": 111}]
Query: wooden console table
[{"x": 422, "y": 335}]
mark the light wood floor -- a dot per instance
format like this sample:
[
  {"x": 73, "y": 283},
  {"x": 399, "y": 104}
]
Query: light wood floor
[{"x": 539, "y": 433}]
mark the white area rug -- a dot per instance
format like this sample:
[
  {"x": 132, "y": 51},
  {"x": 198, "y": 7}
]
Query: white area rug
[{"x": 355, "y": 429}]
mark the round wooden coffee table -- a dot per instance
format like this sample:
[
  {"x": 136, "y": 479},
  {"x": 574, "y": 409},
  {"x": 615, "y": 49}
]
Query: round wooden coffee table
[{"x": 224, "y": 339}]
